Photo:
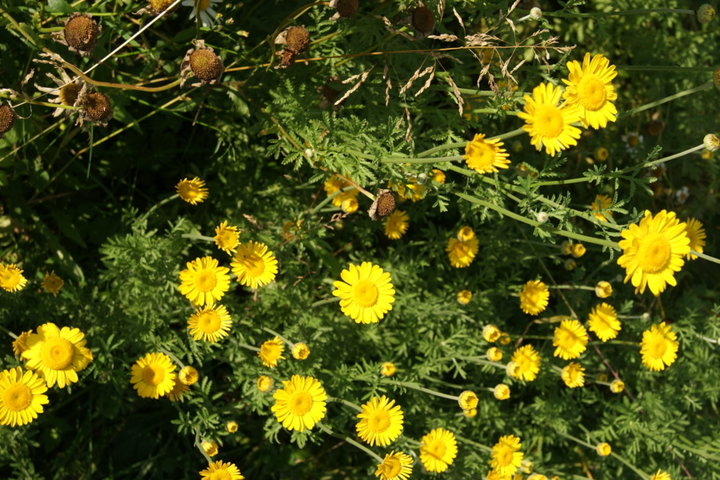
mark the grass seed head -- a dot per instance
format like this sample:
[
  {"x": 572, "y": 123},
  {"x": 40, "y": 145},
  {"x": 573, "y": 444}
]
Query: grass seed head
[
  {"x": 7, "y": 118},
  {"x": 81, "y": 32},
  {"x": 206, "y": 65}
]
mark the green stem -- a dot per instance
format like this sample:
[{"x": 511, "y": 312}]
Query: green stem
[
  {"x": 273, "y": 332},
  {"x": 417, "y": 387},
  {"x": 171, "y": 355},
  {"x": 571, "y": 287},
  {"x": 623, "y": 13},
  {"x": 346, "y": 403},
  {"x": 705, "y": 257},
  {"x": 196, "y": 236},
  {"x": 8, "y": 332},
  {"x": 248, "y": 347},
  {"x": 453, "y": 158},
  {"x": 160, "y": 204},
  {"x": 349, "y": 440},
  {"x": 483, "y": 361},
  {"x": 198, "y": 444},
  {"x": 647, "y": 106},
  {"x": 671, "y": 157},
  {"x": 325, "y": 302},
  {"x": 642, "y": 474},
  {"x": 474, "y": 444}
]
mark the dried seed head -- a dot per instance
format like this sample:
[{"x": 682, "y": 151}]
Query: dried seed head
[
  {"x": 206, "y": 65},
  {"x": 158, "y": 6},
  {"x": 383, "y": 205},
  {"x": 68, "y": 94},
  {"x": 97, "y": 107},
  {"x": 423, "y": 19},
  {"x": 347, "y": 8},
  {"x": 297, "y": 39},
  {"x": 7, "y": 118},
  {"x": 81, "y": 32}
]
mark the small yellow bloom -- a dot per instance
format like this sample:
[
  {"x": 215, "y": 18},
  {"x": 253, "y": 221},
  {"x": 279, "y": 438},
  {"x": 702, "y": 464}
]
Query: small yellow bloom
[
  {"x": 485, "y": 155},
  {"x": 573, "y": 374},
  {"x": 470, "y": 413},
  {"x": 599, "y": 207},
  {"x": 192, "y": 191},
  {"x": 501, "y": 391},
  {"x": 617, "y": 386},
  {"x": 601, "y": 154},
  {"x": 438, "y": 176},
  {"x": 468, "y": 400},
  {"x": 603, "y": 449},
  {"x": 603, "y": 289},
  {"x": 227, "y": 237},
  {"x": 388, "y": 369},
  {"x": 300, "y": 351},
  {"x": 661, "y": 475},
  {"x": 534, "y": 297},
  {"x": 52, "y": 283},
  {"x": 396, "y": 224},
  {"x": 566, "y": 247},
  {"x": 271, "y": 351},
  {"x": 211, "y": 448},
  {"x": 264, "y": 383},
  {"x": 188, "y": 375},
  {"x": 578, "y": 250},
  {"x": 11, "y": 278},
  {"x": 231, "y": 426},
  {"x": 494, "y": 354},
  {"x": 464, "y": 297}
]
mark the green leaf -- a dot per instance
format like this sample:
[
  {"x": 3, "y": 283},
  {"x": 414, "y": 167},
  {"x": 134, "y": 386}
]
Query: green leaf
[{"x": 58, "y": 6}]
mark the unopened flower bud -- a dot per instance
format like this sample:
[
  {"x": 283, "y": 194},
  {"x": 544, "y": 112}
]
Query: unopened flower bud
[
  {"x": 541, "y": 217},
  {"x": 705, "y": 13},
  {"x": 711, "y": 142},
  {"x": 536, "y": 13}
]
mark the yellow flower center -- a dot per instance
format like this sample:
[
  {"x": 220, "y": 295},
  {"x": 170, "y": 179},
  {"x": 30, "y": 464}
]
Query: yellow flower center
[
  {"x": 220, "y": 475},
  {"x": 654, "y": 253},
  {"x": 209, "y": 322},
  {"x": 549, "y": 121},
  {"x": 482, "y": 155},
  {"x": 153, "y": 375},
  {"x": 591, "y": 93},
  {"x": 57, "y": 353},
  {"x": 202, "y": 5},
  {"x": 365, "y": 293},
  {"x": 300, "y": 403},
  {"x": 205, "y": 280},
  {"x": 10, "y": 278},
  {"x": 436, "y": 449},
  {"x": 390, "y": 467},
  {"x": 379, "y": 421},
  {"x": 658, "y": 348},
  {"x": 566, "y": 339},
  {"x": 227, "y": 239},
  {"x": 68, "y": 94},
  {"x": 17, "y": 397},
  {"x": 505, "y": 457}
]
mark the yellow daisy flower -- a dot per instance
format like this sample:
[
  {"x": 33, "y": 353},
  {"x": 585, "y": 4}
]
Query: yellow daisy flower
[
  {"x": 52, "y": 283},
  {"x": 210, "y": 323},
  {"x": 178, "y": 391},
  {"x": 153, "y": 375},
  {"x": 204, "y": 282},
  {"x": 438, "y": 449},
  {"x": 381, "y": 421},
  {"x": 525, "y": 363},
  {"x": 578, "y": 250},
  {"x": 600, "y": 208},
  {"x": 21, "y": 396},
  {"x": 501, "y": 391},
  {"x": 336, "y": 184},
  {"x": 271, "y": 351},
  {"x": 300, "y": 351},
  {"x": 395, "y": 466},
  {"x": 210, "y": 448},
  {"x": 462, "y": 250},
  {"x": 570, "y": 339},
  {"x": 653, "y": 250},
  {"x": 192, "y": 191},
  {"x": 388, "y": 369},
  {"x": 438, "y": 175},
  {"x": 468, "y": 400},
  {"x": 589, "y": 87},
  {"x": 300, "y": 404},
  {"x": 366, "y": 292},
  {"x": 534, "y": 297},
  {"x": 603, "y": 289},
  {"x": 617, "y": 386},
  {"x": 661, "y": 475},
  {"x": 573, "y": 374},
  {"x": 548, "y": 124},
  {"x": 485, "y": 155},
  {"x": 231, "y": 426},
  {"x": 56, "y": 354},
  {"x": 494, "y": 354},
  {"x": 659, "y": 347},
  {"x": 264, "y": 383},
  {"x": 491, "y": 333},
  {"x": 19, "y": 345},
  {"x": 11, "y": 278},
  {"x": 188, "y": 375},
  {"x": 603, "y": 322},
  {"x": 227, "y": 237},
  {"x": 696, "y": 233},
  {"x": 506, "y": 455},
  {"x": 254, "y": 265},
  {"x": 221, "y": 470},
  {"x": 603, "y": 449},
  {"x": 464, "y": 297},
  {"x": 396, "y": 224}
]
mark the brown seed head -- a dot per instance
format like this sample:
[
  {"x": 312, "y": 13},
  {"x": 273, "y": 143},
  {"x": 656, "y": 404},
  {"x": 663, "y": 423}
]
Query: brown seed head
[
  {"x": 206, "y": 65},
  {"x": 159, "y": 6},
  {"x": 386, "y": 203},
  {"x": 69, "y": 93},
  {"x": 97, "y": 107},
  {"x": 423, "y": 19},
  {"x": 7, "y": 118},
  {"x": 81, "y": 32},
  {"x": 297, "y": 39},
  {"x": 347, "y": 8}
]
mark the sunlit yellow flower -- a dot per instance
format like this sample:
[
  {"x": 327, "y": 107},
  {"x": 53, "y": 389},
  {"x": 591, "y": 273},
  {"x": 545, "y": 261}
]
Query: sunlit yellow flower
[
  {"x": 221, "y": 470},
  {"x": 462, "y": 250},
  {"x": 617, "y": 386},
  {"x": 396, "y": 224},
  {"x": 494, "y": 354},
  {"x": 300, "y": 404},
  {"x": 438, "y": 175},
  {"x": 192, "y": 191},
  {"x": 589, "y": 86},
  {"x": 210, "y": 323},
  {"x": 696, "y": 233},
  {"x": 395, "y": 466},
  {"x": 468, "y": 400},
  {"x": 438, "y": 449},
  {"x": 534, "y": 297},
  {"x": 264, "y": 383},
  {"x": 226, "y": 237},
  {"x": 52, "y": 283},
  {"x": 19, "y": 345},
  {"x": 153, "y": 375},
  {"x": 526, "y": 363},
  {"x": 381, "y": 421},
  {"x": 501, "y": 391},
  {"x": 337, "y": 186},
  {"x": 659, "y": 347},
  {"x": 573, "y": 374},
  {"x": 661, "y": 475},
  {"x": 603, "y": 322},
  {"x": 464, "y": 297},
  {"x": 388, "y": 369},
  {"x": 491, "y": 333},
  {"x": 211, "y": 448},
  {"x": 485, "y": 155},
  {"x": 188, "y": 375},
  {"x": 271, "y": 351},
  {"x": 548, "y": 124},
  {"x": 254, "y": 265},
  {"x": 603, "y": 449},
  {"x": 600, "y": 207},
  {"x": 570, "y": 339},
  {"x": 22, "y": 396},
  {"x": 366, "y": 292},
  {"x": 603, "y": 289},
  {"x": 506, "y": 455},
  {"x": 653, "y": 251},
  {"x": 578, "y": 250},
  {"x": 300, "y": 351},
  {"x": 178, "y": 391},
  {"x": 11, "y": 278},
  {"x": 204, "y": 281},
  {"x": 57, "y": 354},
  {"x": 231, "y": 426}
]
